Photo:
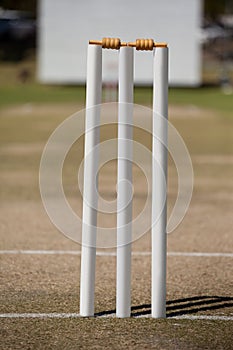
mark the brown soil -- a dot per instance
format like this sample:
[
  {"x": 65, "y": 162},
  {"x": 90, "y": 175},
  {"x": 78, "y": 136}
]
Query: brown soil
[{"x": 43, "y": 284}]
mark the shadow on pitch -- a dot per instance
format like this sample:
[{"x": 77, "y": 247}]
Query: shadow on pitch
[{"x": 179, "y": 307}]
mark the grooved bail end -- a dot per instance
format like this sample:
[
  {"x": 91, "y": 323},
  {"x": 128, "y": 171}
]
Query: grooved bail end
[
  {"x": 146, "y": 44},
  {"x": 108, "y": 43}
]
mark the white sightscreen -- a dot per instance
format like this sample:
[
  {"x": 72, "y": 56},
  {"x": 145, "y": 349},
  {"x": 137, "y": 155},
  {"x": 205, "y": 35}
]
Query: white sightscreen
[{"x": 65, "y": 27}]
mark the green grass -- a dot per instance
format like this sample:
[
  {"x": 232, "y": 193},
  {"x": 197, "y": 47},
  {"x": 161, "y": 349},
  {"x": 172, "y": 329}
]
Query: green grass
[
  {"x": 204, "y": 97},
  {"x": 13, "y": 92},
  {"x": 35, "y": 93},
  {"x": 211, "y": 98}
]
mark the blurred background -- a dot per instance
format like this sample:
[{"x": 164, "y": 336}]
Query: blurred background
[
  {"x": 41, "y": 42},
  {"x": 43, "y": 48}
]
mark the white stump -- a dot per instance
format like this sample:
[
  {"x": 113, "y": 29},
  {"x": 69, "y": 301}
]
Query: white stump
[
  {"x": 124, "y": 182},
  {"x": 90, "y": 190},
  {"x": 159, "y": 175}
]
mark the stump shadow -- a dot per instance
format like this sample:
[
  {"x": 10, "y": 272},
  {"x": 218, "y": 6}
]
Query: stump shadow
[{"x": 182, "y": 306}]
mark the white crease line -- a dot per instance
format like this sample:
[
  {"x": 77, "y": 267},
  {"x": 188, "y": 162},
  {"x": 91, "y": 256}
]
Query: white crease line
[
  {"x": 194, "y": 317},
  {"x": 203, "y": 317},
  {"x": 76, "y": 315},
  {"x": 226, "y": 255},
  {"x": 40, "y": 315},
  {"x": 102, "y": 253},
  {"x": 41, "y": 252}
]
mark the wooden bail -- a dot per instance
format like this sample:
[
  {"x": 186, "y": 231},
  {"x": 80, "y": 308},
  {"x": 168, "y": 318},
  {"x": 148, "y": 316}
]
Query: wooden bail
[{"x": 108, "y": 43}]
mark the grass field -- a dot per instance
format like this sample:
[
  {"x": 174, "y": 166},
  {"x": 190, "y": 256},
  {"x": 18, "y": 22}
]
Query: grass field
[
  {"x": 200, "y": 251},
  {"x": 13, "y": 92}
]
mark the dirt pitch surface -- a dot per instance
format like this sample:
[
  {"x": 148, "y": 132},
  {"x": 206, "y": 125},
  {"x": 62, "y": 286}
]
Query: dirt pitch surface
[{"x": 40, "y": 268}]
